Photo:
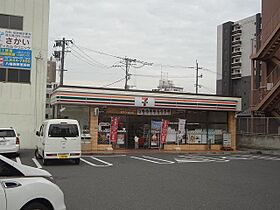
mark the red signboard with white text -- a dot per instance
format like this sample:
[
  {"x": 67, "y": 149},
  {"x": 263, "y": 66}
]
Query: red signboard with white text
[
  {"x": 164, "y": 128},
  {"x": 114, "y": 129}
]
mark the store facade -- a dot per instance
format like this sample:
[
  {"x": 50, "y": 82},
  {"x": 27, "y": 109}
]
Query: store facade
[{"x": 115, "y": 119}]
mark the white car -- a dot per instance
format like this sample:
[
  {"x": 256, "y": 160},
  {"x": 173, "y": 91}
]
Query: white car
[
  {"x": 27, "y": 188},
  {"x": 9, "y": 141}
]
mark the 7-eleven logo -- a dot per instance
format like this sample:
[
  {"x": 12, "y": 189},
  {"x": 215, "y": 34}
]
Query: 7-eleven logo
[{"x": 144, "y": 102}]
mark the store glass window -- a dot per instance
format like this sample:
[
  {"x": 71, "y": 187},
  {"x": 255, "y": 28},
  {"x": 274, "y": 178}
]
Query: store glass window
[{"x": 203, "y": 126}]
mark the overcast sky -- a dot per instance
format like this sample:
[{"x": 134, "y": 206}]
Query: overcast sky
[{"x": 167, "y": 32}]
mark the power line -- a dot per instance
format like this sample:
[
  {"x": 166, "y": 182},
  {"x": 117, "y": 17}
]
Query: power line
[
  {"x": 115, "y": 82},
  {"x": 209, "y": 70},
  {"x": 145, "y": 63},
  {"x": 129, "y": 62},
  {"x": 207, "y": 88},
  {"x": 157, "y": 76},
  {"x": 174, "y": 66},
  {"x": 89, "y": 57},
  {"x": 84, "y": 60},
  {"x": 101, "y": 53}
]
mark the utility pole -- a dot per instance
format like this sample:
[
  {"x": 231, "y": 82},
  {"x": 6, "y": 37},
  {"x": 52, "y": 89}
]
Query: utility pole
[
  {"x": 62, "y": 62},
  {"x": 200, "y": 76},
  {"x": 127, "y": 62},
  {"x": 126, "y": 73},
  {"x": 61, "y": 55}
]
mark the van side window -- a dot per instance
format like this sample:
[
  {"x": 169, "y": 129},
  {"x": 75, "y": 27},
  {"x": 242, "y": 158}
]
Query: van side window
[
  {"x": 63, "y": 130},
  {"x": 41, "y": 130}
]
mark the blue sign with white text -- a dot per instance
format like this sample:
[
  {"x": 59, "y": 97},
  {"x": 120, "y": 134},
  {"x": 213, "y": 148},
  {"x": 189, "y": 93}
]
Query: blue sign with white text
[{"x": 15, "y": 58}]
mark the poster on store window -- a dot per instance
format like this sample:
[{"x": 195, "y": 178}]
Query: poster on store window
[
  {"x": 164, "y": 128},
  {"x": 114, "y": 129},
  {"x": 181, "y": 131},
  {"x": 155, "y": 133}
]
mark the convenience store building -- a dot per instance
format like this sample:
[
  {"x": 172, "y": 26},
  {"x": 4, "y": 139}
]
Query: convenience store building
[{"x": 110, "y": 119}]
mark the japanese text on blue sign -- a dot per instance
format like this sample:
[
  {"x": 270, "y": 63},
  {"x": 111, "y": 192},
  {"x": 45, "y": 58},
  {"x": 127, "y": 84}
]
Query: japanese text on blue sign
[{"x": 15, "y": 58}]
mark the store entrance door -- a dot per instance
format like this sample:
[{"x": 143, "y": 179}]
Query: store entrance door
[{"x": 138, "y": 126}]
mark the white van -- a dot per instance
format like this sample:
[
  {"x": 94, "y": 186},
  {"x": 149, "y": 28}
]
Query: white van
[
  {"x": 59, "y": 139},
  {"x": 9, "y": 141}
]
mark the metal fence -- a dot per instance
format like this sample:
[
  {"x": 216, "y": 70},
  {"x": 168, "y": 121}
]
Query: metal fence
[{"x": 258, "y": 125}]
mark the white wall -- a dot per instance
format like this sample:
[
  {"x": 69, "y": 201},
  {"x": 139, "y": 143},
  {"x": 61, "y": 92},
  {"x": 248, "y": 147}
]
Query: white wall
[{"x": 23, "y": 105}]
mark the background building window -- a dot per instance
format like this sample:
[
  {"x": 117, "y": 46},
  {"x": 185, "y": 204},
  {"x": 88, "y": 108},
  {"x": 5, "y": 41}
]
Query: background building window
[
  {"x": 15, "y": 75},
  {"x": 24, "y": 76},
  {"x": 2, "y": 75},
  {"x": 11, "y": 22}
]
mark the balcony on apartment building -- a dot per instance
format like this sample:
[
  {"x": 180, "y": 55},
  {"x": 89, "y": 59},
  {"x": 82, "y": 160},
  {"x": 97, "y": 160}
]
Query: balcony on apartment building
[
  {"x": 236, "y": 75},
  {"x": 236, "y": 68},
  {"x": 236, "y": 32},
  {"x": 267, "y": 96},
  {"x": 236, "y": 54},
  {"x": 236, "y": 65}
]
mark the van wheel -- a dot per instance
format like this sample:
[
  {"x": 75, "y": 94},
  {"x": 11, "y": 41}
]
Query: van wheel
[
  {"x": 77, "y": 161},
  {"x": 37, "y": 155}
]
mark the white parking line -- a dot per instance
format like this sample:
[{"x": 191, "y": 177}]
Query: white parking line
[
  {"x": 264, "y": 157},
  {"x": 147, "y": 160},
  {"x": 216, "y": 159},
  {"x": 200, "y": 159},
  {"x": 100, "y": 156},
  {"x": 102, "y": 161},
  {"x": 92, "y": 164},
  {"x": 37, "y": 163},
  {"x": 191, "y": 161},
  {"x": 153, "y": 158},
  {"x": 18, "y": 160}
]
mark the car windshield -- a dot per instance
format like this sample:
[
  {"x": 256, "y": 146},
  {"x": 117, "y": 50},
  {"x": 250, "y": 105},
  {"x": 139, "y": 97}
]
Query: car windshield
[
  {"x": 7, "y": 133},
  {"x": 63, "y": 130}
]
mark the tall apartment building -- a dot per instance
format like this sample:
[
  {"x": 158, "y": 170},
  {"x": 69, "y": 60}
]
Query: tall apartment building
[
  {"x": 266, "y": 63},
  {"x": 24, "y": 28},
  {"x": 234, "y": 48}
]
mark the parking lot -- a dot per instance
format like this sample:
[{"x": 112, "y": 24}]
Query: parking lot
[{"x": 166, "y": 181}]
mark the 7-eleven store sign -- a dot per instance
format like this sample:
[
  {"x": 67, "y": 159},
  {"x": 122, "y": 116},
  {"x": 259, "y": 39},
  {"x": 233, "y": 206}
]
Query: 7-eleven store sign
[{"x": 144, "y": 102}]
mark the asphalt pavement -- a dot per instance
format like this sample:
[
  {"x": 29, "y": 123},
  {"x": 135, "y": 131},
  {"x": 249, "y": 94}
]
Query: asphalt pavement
[{"x": 167, "y": 181}]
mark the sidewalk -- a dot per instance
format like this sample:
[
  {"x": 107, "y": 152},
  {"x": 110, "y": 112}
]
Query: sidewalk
[
  {"x": 260, "y": 151},
  {"x": 157, "y": 151}
]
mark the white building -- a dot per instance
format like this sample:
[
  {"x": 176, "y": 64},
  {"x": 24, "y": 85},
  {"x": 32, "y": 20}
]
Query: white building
[
  {"x": 234, "y": 48},
  {"x": 168, "y": 86},
  {"x": 24, "y": 29}
]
